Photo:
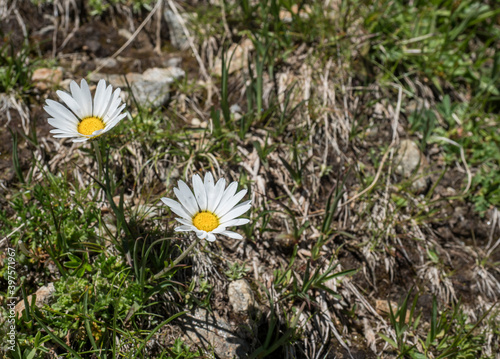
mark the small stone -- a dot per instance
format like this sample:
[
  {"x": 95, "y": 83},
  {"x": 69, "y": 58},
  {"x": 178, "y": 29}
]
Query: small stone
[
  {"x": 206, "y": 330},
  {"x": 43, "y": 296},
  {"x": 235, "y": 108},
  {"x": 236, "y": 56},
  {"x": 45, "y": 77},
  {"x": 410, "y": 161},
  {"x": 286, "y": 16},
  {"x": 173, "y": 62},
  {"x": 106, "y": 63},
  {"x": 150, "y": 89},
  {"x": 125, "y": 33},
  {"x": 196, "y": 122},
  {"x": 382, "y": 308},
  {"x": 241, "y": 296},
  {"x": 285, "y": 240},
  {"x": 150, "y": 93},
  {"x": 126, "y": 199},
  {"x": 166, "y": 75},
  {"x": 236, "y": 112},
  {"x": 408, "y": 158},
  {"x": 64, "y": 84},
  {"x": 177, "y": 36}
]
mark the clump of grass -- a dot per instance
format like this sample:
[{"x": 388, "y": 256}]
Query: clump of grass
[
  {"x": 16, "y": 68},
  {"x": 98, "y": 7},
  {"x": 450, "y": 333}
]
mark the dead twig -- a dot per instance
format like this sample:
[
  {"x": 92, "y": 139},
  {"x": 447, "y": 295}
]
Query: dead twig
[
  {"x": 203, "y": 69},
  {"x": 129, "y": 41}
]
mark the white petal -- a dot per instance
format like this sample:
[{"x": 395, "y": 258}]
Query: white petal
[
  {"x": 218, "y": 192},
  {"x": 201, "y": 234},
  {"x": 228, "y": 193},
  {"x": 210, "y": 237},
  {"x": 86, "y": 95},
  {"x": 58, "y": 130},
  {"x": 105, "y": 102},
  {"x": 72, "y": 104},
  {"x": 209, "y": 182},
  {"x": 114, "y": 103},
  {"x": 64, "y": 135},
  {"x": 232, "y": 234},
  {"x": 199, "y": 192},
  {"x": 176, "y": 207},
  {"x": 183, "y": 228},
  {"x": 186, "y": 198},
  {"x": 235, "y": 222},
  {"x": 80, "y": 139},
  {"x": 219, "y": 229},
  {"x": 113, "y": 123},
  {"x": 82, "y": 96},
  {"x": 209, "y": 189},
  {"x": 236, "y": 211},
  {"x": 62, "y": 124},
  {"x": 56, "y": 110},
  {"x": 111, "y": 116},
  {"x": 99, "y": 104},
  {"x": 75, "y": 93},
  {"x": 229, "y": 204},
  {"x": 97, "y": 133},
  {"x": 187, "y": 222}
]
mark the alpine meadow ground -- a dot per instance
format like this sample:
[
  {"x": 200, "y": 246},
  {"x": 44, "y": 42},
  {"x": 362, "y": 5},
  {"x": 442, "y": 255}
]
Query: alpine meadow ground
[{"x": 249, "y": 179}]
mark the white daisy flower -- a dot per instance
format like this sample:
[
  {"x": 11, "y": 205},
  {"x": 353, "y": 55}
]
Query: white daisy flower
[
  {"x": 85, "y": 119},
  {"x": 211, "y": 209}
]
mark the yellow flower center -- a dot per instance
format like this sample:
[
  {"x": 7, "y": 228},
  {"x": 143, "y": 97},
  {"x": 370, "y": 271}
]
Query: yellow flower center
[
  {"x": 89, "y": 125},
  {"x": 206, "y": 221}
]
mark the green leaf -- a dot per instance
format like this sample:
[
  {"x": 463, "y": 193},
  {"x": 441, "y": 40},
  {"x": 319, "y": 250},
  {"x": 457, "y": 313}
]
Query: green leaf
[{"x": 388, "y": 340}]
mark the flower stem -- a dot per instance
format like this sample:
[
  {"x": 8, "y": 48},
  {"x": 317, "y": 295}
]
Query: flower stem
[
  {"x": 97, "y": 150},
  {"x": 178, "y": 259}
]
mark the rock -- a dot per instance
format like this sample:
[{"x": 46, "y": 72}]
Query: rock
[
  {"x": 286, "y": 16},
  {"x": 408, "y": 158},
  {"x": 238, "y": 61},
  {"x": 241, "y": 296},
  {"x": 125, "y": 33},
  {"x": 106, "y": 63},
  {"x": 235, "y": 108},
  {"x": 116, "y": 80},
  {"x": 236, "y": 112},
  {"x": 177, "y": 36},
  {"x": 165, "y": 75},
  {"x": 172, "y": 62},
  {"x": 196, "y": 122},
  {"x": 64, "y": 84},
  {"x": 150, "y": 93},
  {"x": 7, "y": 173},
  {"x": 43, "y": 296},
  {"x": 44, "y": 77},
  {"x": 150, "y": 89},
  {"x": 410, "y": 161},
  {"x": 213, "y": 332},
  {"x": 382, "y": 308}
]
